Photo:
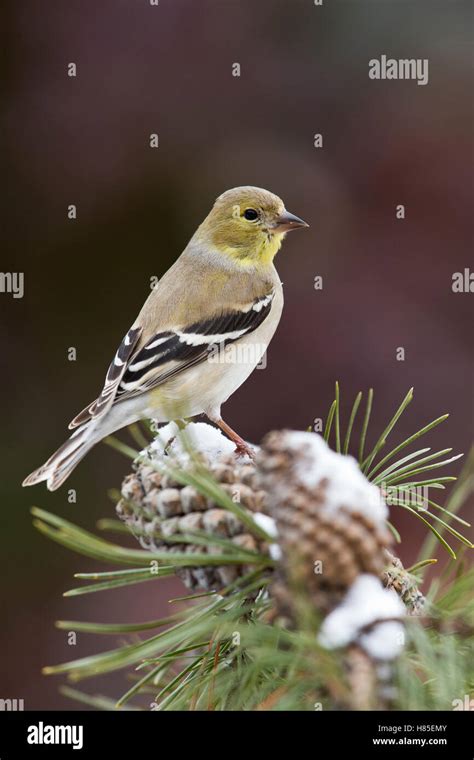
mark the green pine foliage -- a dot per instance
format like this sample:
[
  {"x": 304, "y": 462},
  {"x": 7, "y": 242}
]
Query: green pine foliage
[{"x": 219, "y": 652}]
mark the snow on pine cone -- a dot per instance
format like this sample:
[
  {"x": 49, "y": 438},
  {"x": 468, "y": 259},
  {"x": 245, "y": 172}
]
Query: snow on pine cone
[
  {"x": 330, "y": 520},
  {"x": 157, "y": 508}
]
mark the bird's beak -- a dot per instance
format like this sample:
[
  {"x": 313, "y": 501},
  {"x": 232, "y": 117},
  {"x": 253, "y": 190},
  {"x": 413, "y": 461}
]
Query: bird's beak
[{"x": 287, "y": 222}]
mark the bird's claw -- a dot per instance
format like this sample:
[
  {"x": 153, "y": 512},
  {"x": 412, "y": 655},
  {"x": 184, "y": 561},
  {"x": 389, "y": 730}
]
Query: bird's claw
[{"x": 242, "y": 449}]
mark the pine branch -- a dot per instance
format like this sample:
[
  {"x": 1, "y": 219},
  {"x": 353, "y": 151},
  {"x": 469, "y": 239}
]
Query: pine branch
[{"x": 225, "y": 650}]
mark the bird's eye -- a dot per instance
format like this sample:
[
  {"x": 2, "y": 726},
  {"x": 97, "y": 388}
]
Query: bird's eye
[{"x": 250, "y": 214}]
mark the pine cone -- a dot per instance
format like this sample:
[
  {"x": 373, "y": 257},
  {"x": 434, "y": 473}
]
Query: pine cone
[
  {"x": 332, "y": 535},
  {"x": 327, "y": 533},
  {"x": 157, "y": 509},
  {"x": 325, "y": 544}
]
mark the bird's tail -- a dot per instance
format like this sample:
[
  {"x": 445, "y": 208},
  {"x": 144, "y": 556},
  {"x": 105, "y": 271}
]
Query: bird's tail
[{"x": 60, "y": 465}]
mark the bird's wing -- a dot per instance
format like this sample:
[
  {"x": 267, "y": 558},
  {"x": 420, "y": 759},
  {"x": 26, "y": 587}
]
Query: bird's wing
[
  {"x": 169, "y": 352},
  {"x": 114, "y": 375}
]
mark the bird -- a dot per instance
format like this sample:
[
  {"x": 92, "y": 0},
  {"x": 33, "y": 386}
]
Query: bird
[{"x": 201, "y": 332}]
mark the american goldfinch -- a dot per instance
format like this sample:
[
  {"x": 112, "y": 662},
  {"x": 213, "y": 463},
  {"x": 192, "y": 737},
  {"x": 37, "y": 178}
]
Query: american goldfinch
[{"x": 201, "y": 332}]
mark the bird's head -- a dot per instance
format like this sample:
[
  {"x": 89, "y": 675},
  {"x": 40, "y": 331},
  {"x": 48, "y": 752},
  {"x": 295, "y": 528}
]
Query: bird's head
[{"x": 248, "y": 224}]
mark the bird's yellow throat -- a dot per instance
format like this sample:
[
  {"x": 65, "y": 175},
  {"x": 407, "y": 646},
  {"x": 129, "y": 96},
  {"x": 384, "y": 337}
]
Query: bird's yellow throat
[{"x": 262, "y": 255}]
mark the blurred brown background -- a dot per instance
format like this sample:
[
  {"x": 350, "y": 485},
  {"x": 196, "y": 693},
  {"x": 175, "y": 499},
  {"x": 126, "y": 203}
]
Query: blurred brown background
[{"x": 85, "y": 141}]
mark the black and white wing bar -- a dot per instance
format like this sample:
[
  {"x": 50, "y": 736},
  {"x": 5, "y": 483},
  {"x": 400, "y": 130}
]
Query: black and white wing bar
[
  {"x": 172, "y": 351},
  {"x": 114, "y": 375}
]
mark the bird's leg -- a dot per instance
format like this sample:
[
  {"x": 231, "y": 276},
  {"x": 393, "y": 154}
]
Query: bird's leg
[{"x": 240, "y": 446}]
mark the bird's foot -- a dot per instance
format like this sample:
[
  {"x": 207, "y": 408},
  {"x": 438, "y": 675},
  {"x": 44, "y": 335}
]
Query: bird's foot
[
  {"x": 241, "y": 447},
  {"x": 242, "y": 450}
]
